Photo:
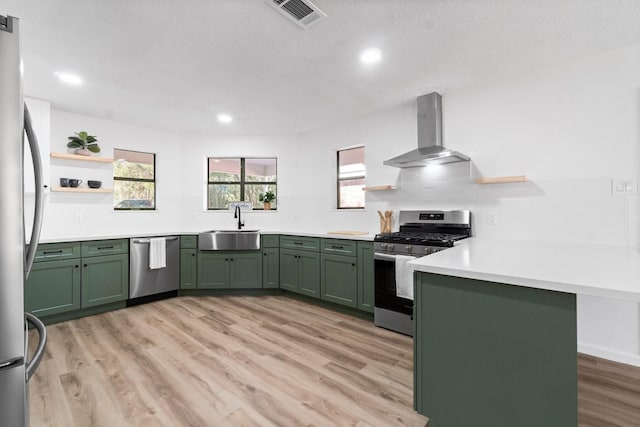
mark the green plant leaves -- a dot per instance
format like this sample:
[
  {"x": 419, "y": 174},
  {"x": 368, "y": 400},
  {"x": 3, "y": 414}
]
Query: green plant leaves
[{"x": 84, "y": 140}]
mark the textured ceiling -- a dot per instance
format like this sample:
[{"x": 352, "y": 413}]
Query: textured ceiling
[{"x": 175, "y": 64}]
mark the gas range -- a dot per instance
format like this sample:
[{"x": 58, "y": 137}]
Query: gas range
[
  {"x": 425, "y": 232},
  {"x": 421, "y": 233}
]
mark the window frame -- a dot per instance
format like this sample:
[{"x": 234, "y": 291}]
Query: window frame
[
  {"x": 155, "y": 185},
  {"x": 243, "y": 182},
  {"x": 339, "y": 180}
]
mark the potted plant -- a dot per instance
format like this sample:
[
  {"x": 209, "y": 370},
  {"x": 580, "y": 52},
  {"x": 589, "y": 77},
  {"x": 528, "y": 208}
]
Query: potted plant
[
  {"x": 83, "y": 143},
  {"x": 267, "y": 197}
]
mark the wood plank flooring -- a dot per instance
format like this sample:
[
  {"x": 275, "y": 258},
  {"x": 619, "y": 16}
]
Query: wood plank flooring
[
  {"x": 224, "y": 361},
  {"x": 256, "y": 361}
]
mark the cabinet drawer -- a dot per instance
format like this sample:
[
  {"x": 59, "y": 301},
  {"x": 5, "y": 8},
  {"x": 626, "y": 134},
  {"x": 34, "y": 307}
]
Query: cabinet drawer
[
  {"x": 57, "y": 251},
  {"x": 301, "y": 243},
  {"x": 188, "y": 242},
  {"x": 270, "y": 240},
  {"x": 105, "y": 247},
  {"x": 339, "y": 247}
]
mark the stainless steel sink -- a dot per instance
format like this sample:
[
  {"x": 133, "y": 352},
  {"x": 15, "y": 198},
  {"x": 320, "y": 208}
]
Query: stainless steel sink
[{"x": 229, "y": 240}]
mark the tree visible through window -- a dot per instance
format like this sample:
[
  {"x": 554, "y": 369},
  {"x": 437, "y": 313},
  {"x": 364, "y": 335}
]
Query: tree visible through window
[
  {"x": 351, "y": 174},
  {"x": 134, "y": 180},
  {"x": 240, "y": 179}
]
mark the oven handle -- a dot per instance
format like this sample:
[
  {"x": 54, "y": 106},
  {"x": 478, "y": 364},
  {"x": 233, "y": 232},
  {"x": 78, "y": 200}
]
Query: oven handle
[{"x": 383, "y": 257}]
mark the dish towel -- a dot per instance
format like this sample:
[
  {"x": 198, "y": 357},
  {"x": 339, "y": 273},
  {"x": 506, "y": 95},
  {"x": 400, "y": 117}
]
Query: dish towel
[
  {"x": 404, "y": 277},
  {"x": 157, "y": 253}
]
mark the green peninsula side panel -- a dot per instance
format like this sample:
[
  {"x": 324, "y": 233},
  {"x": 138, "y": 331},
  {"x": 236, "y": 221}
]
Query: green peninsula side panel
[{"x": 492, "y": 354}]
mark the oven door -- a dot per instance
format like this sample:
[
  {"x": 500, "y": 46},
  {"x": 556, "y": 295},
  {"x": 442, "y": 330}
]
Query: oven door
[{"x": 385, "y": 285}]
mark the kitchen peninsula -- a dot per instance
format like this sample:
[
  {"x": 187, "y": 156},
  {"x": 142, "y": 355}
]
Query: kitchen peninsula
[{"x": 495, "y": 339}]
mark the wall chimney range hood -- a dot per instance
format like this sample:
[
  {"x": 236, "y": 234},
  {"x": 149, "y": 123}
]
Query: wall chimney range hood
[{"x": 430, "y": 150}]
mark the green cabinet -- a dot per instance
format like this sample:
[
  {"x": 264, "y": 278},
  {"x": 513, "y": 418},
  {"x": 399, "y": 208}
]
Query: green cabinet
[
  {"x": 230, "y": 270},
  {"x": 188, "y": 268},
  {"x": 73, "y": 276},
  {"x": 270, "y": 267},
  {"x": 339, "y": 279},
  {"x": 53, "y": 287},
  {"x": 300, "y": 271},
  {"x": 105, "y": 279},
  {"x": 493, "y": 354},
  {"x": 188, "y": 262},
  {"x": 366, "y": 275}
]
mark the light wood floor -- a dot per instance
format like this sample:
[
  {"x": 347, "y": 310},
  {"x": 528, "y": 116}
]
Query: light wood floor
[
  {"x": 256, "y": 361},
  {"x": 224, "y": 361}
]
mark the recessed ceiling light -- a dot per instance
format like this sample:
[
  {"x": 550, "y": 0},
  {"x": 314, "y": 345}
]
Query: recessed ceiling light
[
  {"x": 225, "y": 118},
  {"x": 68, "y": 78},
  {"x": 371, "y": 55}
]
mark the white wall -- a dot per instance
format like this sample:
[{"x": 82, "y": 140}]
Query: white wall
[
  {"x": 98, "y": 216},
  {"x": 195, "y": 150},
  {"x": 571, "y": 129}
]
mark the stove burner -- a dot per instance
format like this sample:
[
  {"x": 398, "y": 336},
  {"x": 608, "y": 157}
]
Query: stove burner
[{"x": 431, "y": 239}]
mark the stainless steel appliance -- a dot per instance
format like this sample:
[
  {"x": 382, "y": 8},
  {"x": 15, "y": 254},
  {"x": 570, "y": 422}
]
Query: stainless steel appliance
[
  {"x": 430, "y": 149},
  {"x": 145, "y": 282},
  {"x": 15, "y": 262},
  {"x": 421, "y": 233}
]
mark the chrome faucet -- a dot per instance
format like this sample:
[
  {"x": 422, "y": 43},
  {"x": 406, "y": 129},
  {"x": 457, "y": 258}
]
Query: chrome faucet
[{"x": 237, "y": 216}]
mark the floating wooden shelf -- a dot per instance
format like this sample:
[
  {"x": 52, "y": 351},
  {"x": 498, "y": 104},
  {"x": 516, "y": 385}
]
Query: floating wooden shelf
[
  {"x": 379, "y": 188},
  {"x": 81, "y": 190},
  {"x": 501, "y": 179},
  {"x": 83, "y": 158}
]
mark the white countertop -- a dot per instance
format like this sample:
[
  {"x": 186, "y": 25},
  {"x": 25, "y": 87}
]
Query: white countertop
[
  {"x": 326, "y": 235},
  {"x": 596, "y": 270}
]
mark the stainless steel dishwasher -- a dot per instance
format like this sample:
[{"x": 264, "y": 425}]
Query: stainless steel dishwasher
[{"x": 144, "y": 282}]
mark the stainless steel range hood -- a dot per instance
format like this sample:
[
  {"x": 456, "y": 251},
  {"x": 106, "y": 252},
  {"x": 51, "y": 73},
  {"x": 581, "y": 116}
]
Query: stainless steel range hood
[{"x": 430, "y": 149}]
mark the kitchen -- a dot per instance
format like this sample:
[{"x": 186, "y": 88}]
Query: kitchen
[{"x": 558, "y": 111}]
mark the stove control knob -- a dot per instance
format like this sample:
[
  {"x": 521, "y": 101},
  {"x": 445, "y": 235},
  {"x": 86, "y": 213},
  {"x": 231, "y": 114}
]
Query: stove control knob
[
  {"x": 390, "y": 246},
  {"x": 408, "y": 248}
]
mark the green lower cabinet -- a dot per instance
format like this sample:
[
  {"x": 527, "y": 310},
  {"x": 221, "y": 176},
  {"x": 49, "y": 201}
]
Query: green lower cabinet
[
  {"x": 212, "y": 270},
  {"x": 105, "y": 279},
  {"x": 245, "y": 270},
  {"x": 300, "y": 272},
  {"x": 366, "y": 275},
  {"x": 309, "y": 264},
  {"x": 339, "y": 279},
  {"x": 188, "y": 268},
  {"x": 53, "y": 287},
  {"x": 289, "y": 275},
  {"x": 492, "y": 354},
  {"x": 230, "y": 270},
  {"x": 270, "y": 268}
]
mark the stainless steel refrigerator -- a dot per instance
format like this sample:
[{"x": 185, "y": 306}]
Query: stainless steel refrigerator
[{"x": 16, "y": 257}]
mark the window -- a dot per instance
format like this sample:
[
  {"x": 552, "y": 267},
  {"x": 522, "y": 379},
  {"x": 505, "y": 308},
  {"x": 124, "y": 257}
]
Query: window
[
  {"x": 351, "y": 174},
  {"x": 134, "y": 180},
  {"x": 240, "y": 179}
]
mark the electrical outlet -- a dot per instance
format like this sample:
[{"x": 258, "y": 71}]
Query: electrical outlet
[
  {"x": 624, "y": 186},
  {"x": 79, "y": 217},
  {"x": 492, "y": 218}
]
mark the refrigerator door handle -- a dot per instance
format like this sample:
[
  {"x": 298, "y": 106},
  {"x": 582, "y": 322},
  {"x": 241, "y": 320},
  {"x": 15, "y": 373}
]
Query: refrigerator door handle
[
  {"x": 39, "y": 192},
  {"x": 32, "y": 365}
]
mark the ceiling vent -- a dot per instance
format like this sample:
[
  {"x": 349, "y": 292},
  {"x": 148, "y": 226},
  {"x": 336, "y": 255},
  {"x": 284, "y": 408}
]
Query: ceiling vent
[{"x": 302, "y": 12}]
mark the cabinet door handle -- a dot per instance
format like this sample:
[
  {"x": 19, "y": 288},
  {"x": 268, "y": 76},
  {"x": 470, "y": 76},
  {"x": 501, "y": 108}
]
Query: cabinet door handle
[
  {"x": 353, "y": 264},
  {"x": 85, "y": 265},
  {"x": 104, "y": 247},
  {"x": 77, "y": 266},
  {"x": 337, "y": 247},
  {"x": 265, "y": 254},
  {"x": 298, "y": 243},
  {"x": 53, "y": 252},
  {"x": 193, "y": 254}
]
